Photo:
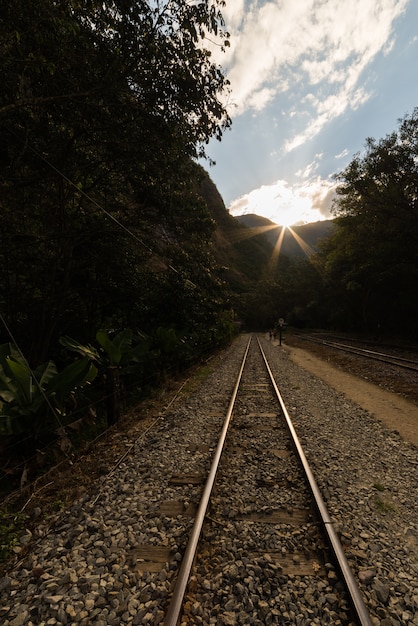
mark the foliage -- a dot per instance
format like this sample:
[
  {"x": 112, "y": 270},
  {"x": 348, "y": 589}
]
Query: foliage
[
  {"x": 365, "y": 275},
  {"x": 133, "y": 355},
  {"x": 115, "y": 348},
  {"x": 373, "y": 256},
  {"x": 33, "y": 401},
  {"x": 103, "y": 106}
]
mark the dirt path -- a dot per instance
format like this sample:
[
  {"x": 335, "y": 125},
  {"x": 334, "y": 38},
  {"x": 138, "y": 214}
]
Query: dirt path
[{"x": 394, "y": 411}]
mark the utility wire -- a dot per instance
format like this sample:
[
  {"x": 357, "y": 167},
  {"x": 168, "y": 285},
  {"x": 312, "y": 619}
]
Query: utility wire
[
  {"x": 111, "y": 217},
  {"x": 95, "y": 203}
]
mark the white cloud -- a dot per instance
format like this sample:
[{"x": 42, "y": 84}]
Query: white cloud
[
  {"x": 284, "y": 46},
  {"x": 326, "y": 110},
  {"x": 307, "y": 201},
  {"x": 309, "y": 169},
  {"x": 342, "y": 154},
  {"x": 260, "y": 98}
]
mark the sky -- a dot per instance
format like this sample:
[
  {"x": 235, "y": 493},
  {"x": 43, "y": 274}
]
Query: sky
[{"x": 310, "y": 81}]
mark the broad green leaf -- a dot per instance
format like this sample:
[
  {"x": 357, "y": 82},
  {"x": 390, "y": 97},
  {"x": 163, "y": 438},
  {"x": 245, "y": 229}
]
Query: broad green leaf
[
  {"x": 44, "y": 373},
  {"x": 113, "y": 352},
  {"x": 23, "y": 379},
  {"x": 73, "y": 376},
  {"x": 91, "y": 374},
  {"x": 167, "y": 339},
  {"x": 8, "y": 389},
  {"x": 9, "y": 350},
  {"x": 7, "y": 396},
  {"x": 139, "y": 351},
  {"x": 75, "y": 346},
  {"x": 4, "y": 352},
  {"x": 123, "y": 341}
]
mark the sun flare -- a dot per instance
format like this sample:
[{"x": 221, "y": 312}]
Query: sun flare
[
  {"x": 285, "y": 204},
  {"x": 287, "y": 219},
  {"x": 295, "y": 210}
]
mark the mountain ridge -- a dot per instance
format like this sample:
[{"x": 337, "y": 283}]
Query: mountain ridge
[{"x": 297, "y": 241}]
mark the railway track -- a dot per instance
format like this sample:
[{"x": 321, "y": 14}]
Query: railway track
[
  {"x": 263, "y": 554},
  {"x": 384, "y": 357},
  {"x": 261, "y": 523}
]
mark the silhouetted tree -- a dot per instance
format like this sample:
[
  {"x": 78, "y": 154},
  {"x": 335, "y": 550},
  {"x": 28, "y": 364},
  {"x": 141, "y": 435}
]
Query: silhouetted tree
[
  {"x": 373, "y": 256},
  {"x": 102, "y": 108}
]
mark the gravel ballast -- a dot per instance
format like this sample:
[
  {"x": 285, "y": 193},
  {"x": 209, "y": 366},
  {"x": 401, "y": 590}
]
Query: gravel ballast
[{"x": 78, "y": 567}]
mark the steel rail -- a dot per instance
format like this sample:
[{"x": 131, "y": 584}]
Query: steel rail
[
  {"x": 383, "y": 357},
  {"x": 349, "y": 580},
  {"x": 391, "y": 359},
  {"x": 174, "y": 608}
]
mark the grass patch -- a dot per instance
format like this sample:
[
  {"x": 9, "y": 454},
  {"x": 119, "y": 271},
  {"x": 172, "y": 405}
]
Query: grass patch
[
  {"x": 384, "y": 506},
  {"x": 379, "y": 487},
  {"x": 204, "y": 372},
  {"x": 198, "y": 377},
  {"x": 11, "y": 527}
]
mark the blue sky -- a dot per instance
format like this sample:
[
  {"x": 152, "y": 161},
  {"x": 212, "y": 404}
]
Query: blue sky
[{"x": 310, "y": 81}]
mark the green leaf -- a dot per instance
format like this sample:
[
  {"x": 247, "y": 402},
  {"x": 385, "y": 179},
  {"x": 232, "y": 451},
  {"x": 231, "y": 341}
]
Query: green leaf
[
  {"x": 23, "y": 379},
  {"x": 138, "y": 353},
  {"x": 123, "y": 341},
  {"x": 91, "y": 374},
  {"x": 7, "y": 395},
  {"x": 9, "y": 390},
  {"x": 74, "y": 375},
  {"x": 112, "y": 350},
  {"x": 75, "y": 346},
  {"x": 4, "y": 352},
  {"x": 9, "y": 350},
  {"x": 167, "y": 339},
  {"x": 45, "y": 373},
  {"x": 9, "y": 425}
]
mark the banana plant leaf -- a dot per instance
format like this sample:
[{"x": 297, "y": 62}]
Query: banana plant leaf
[
  {"x": 73, "y": 376},
  {"x": 21, "y": 381},
  {"x": 84, "y": 350},
  {"x": 123, "y": 340},
  {"x": 113, "y": 351}
]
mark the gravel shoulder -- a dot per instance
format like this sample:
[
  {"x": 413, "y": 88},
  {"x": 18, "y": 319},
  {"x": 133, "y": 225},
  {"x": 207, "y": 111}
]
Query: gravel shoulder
[{"x": 394, "y": 411}]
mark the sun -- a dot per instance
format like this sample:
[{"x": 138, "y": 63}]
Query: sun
[
  {"x": 287, "y": 219},
  {"x": 294, "y": 212},
  {"x": 291, "y": 208},
  {"x": 290, "y": 214}
]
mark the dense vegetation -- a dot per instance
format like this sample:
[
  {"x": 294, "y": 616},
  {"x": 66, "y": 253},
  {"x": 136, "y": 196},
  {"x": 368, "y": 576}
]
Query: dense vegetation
[
  {"x": 371, "y": 263},
  {"x": 104, "y": 108},
  {"x": 365, "y": 276}
]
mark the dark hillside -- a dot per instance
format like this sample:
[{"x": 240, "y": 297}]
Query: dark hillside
[
  {"x": 242, "y": 254},
  {"x": 311, "y": 234}
]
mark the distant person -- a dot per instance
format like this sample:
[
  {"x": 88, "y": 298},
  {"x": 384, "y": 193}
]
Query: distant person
[{"x": 270, "y": 334}]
